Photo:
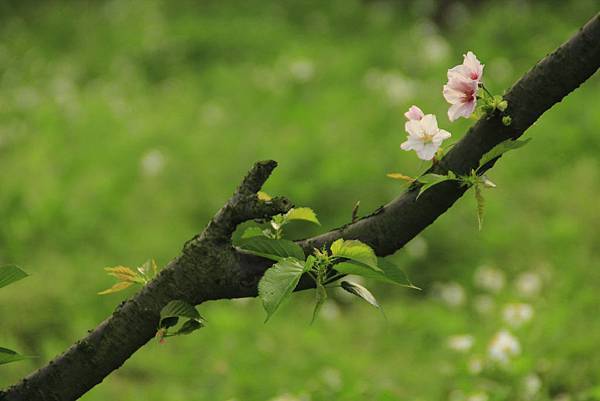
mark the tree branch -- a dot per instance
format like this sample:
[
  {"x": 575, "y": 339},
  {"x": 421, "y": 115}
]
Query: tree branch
[{"x": 209, "y": 268}]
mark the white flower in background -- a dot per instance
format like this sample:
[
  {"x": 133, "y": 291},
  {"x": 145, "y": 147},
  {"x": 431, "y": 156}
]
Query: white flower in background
[
  {"x": 452, "y": 294},
  {"x": 484, "y": 304},
  {"x": 528, "y": 284},
  {"x": 435, "y": 48},
  {"x": 152, "y": 163},
  {"x": 332, "y": 378},
  {"x": 424, "y": 137},
  {"x": 287, "y": 397},
  {"x": 475, "y": 365},
  {"x": 489, "y": 278},
  {"x": 503, "y": 347},
  {"x": 417, "y": 247},
  {"x": 461, "y": 343},
  {"x": 456, "y": 395},
  {"x": 330, "y": 311},
  {"x": 212, "y": 114},
  {"x": 303, "y": 70},
  {"x": 517, "y": 314},
  {"x": 532, "y": 384},
  {"x": 480, "y": 396},
  {"x": 394, "y": 85}
]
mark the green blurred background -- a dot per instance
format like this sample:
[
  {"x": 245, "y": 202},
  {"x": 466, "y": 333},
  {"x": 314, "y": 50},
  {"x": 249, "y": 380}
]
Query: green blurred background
[{"x": 124, "y": 126}]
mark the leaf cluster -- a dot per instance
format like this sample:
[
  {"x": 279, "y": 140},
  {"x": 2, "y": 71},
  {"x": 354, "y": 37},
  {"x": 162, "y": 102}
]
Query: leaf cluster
[
  {"x": 324, "y": 267},
  {"x": 170, "y": 315},
  {"x": 475, "y": 179},
  {"x": 127, "y": 277}
]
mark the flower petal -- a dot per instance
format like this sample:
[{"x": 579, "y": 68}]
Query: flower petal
[
  {"x": 461, "y": 110},
  {"x": 412, "y": 143},
  {"x": 414, "y": 128},
  {"x": 427, "y": 152},
  {"x": 441, "y": 136},
  {"x": 414, "y": 113},
  {"x": 429, "y": 123}
]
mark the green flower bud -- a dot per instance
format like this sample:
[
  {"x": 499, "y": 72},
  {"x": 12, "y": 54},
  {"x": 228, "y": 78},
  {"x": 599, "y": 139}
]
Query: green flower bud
[
  {"x": 502, "y": 105},
  {"x": 506, "y": 120}
]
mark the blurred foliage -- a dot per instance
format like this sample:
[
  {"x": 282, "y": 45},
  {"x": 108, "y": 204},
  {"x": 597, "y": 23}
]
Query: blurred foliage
[{"x": 124, "y": 125}]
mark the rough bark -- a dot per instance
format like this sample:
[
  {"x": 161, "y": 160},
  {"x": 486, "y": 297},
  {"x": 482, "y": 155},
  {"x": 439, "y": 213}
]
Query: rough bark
[{"x": 210, "y": 268}]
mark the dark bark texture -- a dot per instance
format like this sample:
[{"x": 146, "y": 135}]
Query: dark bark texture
[{"x": 210, "y": 268}]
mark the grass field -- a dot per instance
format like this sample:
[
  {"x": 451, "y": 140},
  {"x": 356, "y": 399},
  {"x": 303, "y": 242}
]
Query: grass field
[{"x": 125, "y": 125}]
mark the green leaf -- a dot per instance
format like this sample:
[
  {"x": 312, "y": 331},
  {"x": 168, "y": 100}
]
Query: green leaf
[
  {"x": 502, "y": 148},
  {"x": 480, "y": 205},
  {"x": 278, "y": 283},
  {"x": 7, "y": 356},
  {"x": 431, "y": 179},
  {"x": 302, "y": 213},
  {"x": 395, "y": 274},
  {"x": 356, "y": 251},
  {"x": 252, "y": 232},
  {"x": 390, "y": 273},
  {"x": 321, "y": 297},
  {"x": 120, "y": 286},
  {"x": 274, "y": 249},
  {"x": 171, "y": 312},
  {"x": 188, "y": 327},
  {"x": 360, "y": 291},
  {"x": 400, "y": 176},
  {"x": 9, "y": 274}
]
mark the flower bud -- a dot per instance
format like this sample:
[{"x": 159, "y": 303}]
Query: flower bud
[
  {"x": 506, "y": 120},
  {"x": 502, "y": 105}
]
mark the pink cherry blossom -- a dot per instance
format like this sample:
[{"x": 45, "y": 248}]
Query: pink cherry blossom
[
  {"x": 471, "y": 68},
  {"x": 414, "y": 113},
  {"x": 424, "y": 137},
  {"x": 461, "y": 93},
  {"x": 461, "y": 89}
]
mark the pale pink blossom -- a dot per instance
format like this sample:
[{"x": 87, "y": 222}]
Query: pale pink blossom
[
  {"x": 461, "y": 89},
  {"x": 461, "y": 93},
  {"x": 424, "y": 137},
  {"x": 470, "y": 69},
  {"x": 414, "y": 113}
]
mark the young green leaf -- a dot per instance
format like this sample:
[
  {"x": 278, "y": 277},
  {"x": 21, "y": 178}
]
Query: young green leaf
[
  {"x": 480, "y": 205},
  {"x": 359, "y": 291},
  {"x": 179, "y": 308},
  {"x": 170, "y": 314},
  {"x": 148, "y": 270},
  {"x": 7, "y": 356},
  {"x": 124, "y": 274},
  {"x": 400, "y": 176},
  {"x": 263, "y": 196},
  {"x": 252, "y": 232},
  {"x": 10, "y": 274},
  {"x": 120, "y": 286},
  {"x": 502, "y": 148},
  {"x": 356, "y": 251},
  {"x": 395, "y": 273},
  {"x": 302, "y": 213},
  {"x": 321, "y": 297},
  {"x": 390, "y": 273},
  {"x": 274, "y": 249},
  {"x": 189, "y": 327},
  {"x": 278, "y": 283},
  {"x": 431, "y": 179}
]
